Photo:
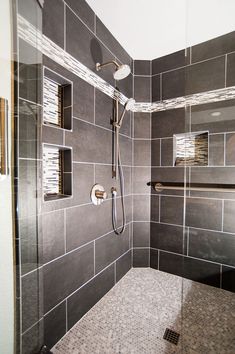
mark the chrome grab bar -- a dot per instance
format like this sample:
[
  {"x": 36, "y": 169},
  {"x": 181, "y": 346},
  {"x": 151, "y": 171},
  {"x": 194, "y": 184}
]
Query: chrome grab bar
[{"x": 200, "y": 187}]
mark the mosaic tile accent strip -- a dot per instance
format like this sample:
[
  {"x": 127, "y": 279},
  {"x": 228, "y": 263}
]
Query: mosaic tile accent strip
[
  {"x": 52, "y": 174},
  {"x": 52, "y": 102},
  {"x": 35, "y": 38},
  {"x": 191, "y": 149},
  {"x": 132, "y": 317}
]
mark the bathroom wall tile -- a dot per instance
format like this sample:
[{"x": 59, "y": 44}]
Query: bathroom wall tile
[
  {"x": 142, "y": 67},
  {"x": 53, "y": 13},
  {"x": 126, "y": 127},
  {"x": 141, "y": 234},
  {"x": 173, "y": 83},
  {"x": 141, "y": 176},
  {"x": 154, "y": 207},
  {"x": 220, "y": 175},
  {"x": 214, "y": 47},
  {"x": 155, "y": 152},
  {"x": 83, "y": 10},
  {"x": 55, "y": 325},
  {"x": 108, "y": 39},
  {"x": 142, "y": 125},
  {"x": 141, "y": 257},
  {"x": 213, "y": 246},
  {"x": 53, "y": 237},
  {"x": 83, "y": 180},
  {"x": 172, "y": 210},
  {"x": 99, "y": 147},
  {"x": 168, "y": 174},
  {"x": 229, "y": 221},
  {"x": 86, "y": 297},
  {"x": 156, "y": 91},
  {"x": 109, "y": 248},
  {"x": 98, "y": 223},
  {"x": 230, "y": 145},
  {"x": 126, "y": 85},
  {"x": 166, "y": 237},
  {"x": 125, "y": 150},
  {"x": 142, "y": 88},
  {"x": 197, "y": 270},
  {"x": 33, "y": 339},
  {"x": 83, "y": 99},
  {"x": 153, "y": 258},
  {"x": 167, "y": 152},
  {"x": 123, "y": 265},
  {"x": 216, "y": 150},
  {"x": 230, "y": 70},
  {"x": 142, "y": 149},
  {"x": 141, "y": 207},
  {"x": 30, "y": 11},
  {"x": 168, "y": 62},
  {"x": 104, "y": 108},
  {"x": 62, "y": 276},
  {"x": 52, "y": 135},
  {"x": 204, "y": 213},
  {"x": 168, "y": 123},
  {"x": 228, "y": 278}
]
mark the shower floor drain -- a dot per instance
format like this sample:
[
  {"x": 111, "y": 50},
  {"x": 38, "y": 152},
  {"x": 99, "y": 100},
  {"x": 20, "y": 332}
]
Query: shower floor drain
[{"x": 171, "y": 336}]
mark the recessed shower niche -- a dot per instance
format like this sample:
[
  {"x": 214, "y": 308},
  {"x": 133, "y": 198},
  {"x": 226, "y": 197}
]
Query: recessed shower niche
[
  {"x": 57, "y": 172},
  {"x": 191, "y": 149},
  {"x": 57, "y": 100}
]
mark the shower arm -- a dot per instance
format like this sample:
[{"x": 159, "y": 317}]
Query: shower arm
[{"x": 99, "y": 66}]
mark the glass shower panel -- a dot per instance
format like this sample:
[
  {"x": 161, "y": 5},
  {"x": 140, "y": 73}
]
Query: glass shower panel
[{"x": 208, "y": 299}]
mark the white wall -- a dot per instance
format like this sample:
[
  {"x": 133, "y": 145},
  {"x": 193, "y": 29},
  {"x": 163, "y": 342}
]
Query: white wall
[
  {"x": 148, "y": 29},
  {"x": 6, "y": 239}
]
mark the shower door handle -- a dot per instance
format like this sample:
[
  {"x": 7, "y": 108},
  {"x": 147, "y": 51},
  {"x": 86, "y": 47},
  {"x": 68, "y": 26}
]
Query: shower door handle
[{"x": 3, "y": 136}]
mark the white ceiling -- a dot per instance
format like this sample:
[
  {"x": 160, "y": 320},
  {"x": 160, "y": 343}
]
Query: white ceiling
[{"x": 148, "y": 29}]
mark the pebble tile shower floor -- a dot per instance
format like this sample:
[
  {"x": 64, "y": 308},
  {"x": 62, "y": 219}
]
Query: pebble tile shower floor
[{"x": 132, "y": 317}]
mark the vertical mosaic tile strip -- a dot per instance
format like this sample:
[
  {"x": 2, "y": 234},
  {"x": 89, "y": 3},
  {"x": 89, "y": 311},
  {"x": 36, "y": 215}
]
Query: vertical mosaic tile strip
[
  {"x": 35, "y": 38},
  {"x": 52, "y": 174},
  {"x": 52, "y": 102},
  {"x": 191, "y": 149}
]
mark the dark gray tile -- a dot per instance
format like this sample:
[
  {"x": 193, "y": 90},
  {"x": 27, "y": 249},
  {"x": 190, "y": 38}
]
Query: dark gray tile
[
  {"x": 173, "y": 83},
  {"x": 204, "y": 213},
  {"x": 126, "y": 86},
  {"x": 168, "y": 174},
  {"x": 230, "y": 145},
  {"x": 142, "y": 88},
  {"x": 141, "y": 234},
  {"x": 168, "y": 123},
  {"x": 53, "y": 238},
  {"x": 125, "y": 150},
  {"x": 104, "y": 108},
  {"x": 52, "y": 135},
  {"x": 141, "y": 176},
  {"x": 98, "y": 223},
  {"x": 33, "y": 340},
  {"x": 230, "y": 70},
  {"x": 123, "y": 265},
  {"x": 154, "y": 258},
  {"x": 83, "y": 99},
  {"x": 142, "y": 67},
  {"x": 31, "y": 11},
  {"x": 214, "y": 47},
  {"x": 168, "y": 62},
  {"x": 228, "y": 278},
  {"x": 53, "y": 21},
  {"x": 154, "y": 207},
  {"x": 32, "y": 299},
  {"x": 212, "y": 246},
  {"x": 83, "y": 10},
  {"x": 156, "y": 93},
  {"x": 172, "y": 210},
  {"x": 141, "y": 207},
  {"x": 167, "y": 152},
  {"x": 126, "y": 123},
  {"x": 99, "y": 147},
  {"x": 86, "y": 297},
  {"x": 109, "y": 248},
  {"x": 218, "y": 175},
  {"x": 155, "y": 152},
  {"x": 197, "y": 270},
  {"x": 229, "y": 221},
  {"x": 167, "y": 237},
  {"x": 203, "y": 118},
  {"x": 63, "y": 276},
  {"x": 216, "y": 150},
  {"x": 83, "y": 180},
  {"x": 141, "y": 257},
  {"x": 108, "y": 39},
  {"x": 55, "y": 325},
  {"x": 142, "y": 125},
  {"x": 142, "y": 149}
]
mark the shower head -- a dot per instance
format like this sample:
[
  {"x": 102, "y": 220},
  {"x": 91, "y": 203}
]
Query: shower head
[{"x": 121, "y": 71}]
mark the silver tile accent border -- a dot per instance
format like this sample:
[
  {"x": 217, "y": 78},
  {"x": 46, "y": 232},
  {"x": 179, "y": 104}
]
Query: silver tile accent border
[{"x": 34, "y": 37}]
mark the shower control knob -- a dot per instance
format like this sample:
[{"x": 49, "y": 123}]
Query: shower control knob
[{"x": 98, "y": 194}]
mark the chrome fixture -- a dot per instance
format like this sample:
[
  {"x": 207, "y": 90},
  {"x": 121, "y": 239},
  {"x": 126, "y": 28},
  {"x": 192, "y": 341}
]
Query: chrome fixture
[
  {"x": 200, "y": 187},
  {"x": 121, "y": 72},
  {"x": 98, "y": 194}
]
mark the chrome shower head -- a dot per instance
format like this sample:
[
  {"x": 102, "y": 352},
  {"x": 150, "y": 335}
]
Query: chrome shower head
[
  {"x": 129, "y": 104},
  {"x": 121, "y": 71}
]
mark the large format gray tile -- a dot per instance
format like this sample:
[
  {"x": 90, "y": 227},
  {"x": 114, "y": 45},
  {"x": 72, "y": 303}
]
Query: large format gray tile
[
  {"x": 83, "y": 10},
  {"x": 142, "y": 88},
  {"x": 216, "y": 150},
  {"x": 55, "y": 325},
  {"x": 141, "y": 207},
  {"x": 172, "y": 210},
  {"x": 167, "y": 152},
  {"x": 230, "y": 144},
  {"x": 155, "y": 152},
  {"x": 104, "y": 106},
  {"x": 229, "y": 221},
  {"x": 167, "y": 237},
  {"x": 142, "y": 149},
  {"x": 142, "y": 125},
  {"x": 230, "y": 70},
  {"x": 141, "y": 234},
  {"x": 167, "y": 123},
  {"x": 142, "y": 67},
  {"x": 168, "y": 62},
  {"x": 123, "y": 265},
  {"x": 156, "y": 90},
  {"x": 53, "y": 14},
  {"x": 141, "y": 176},
  {"x": 141, "y": 257}
]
